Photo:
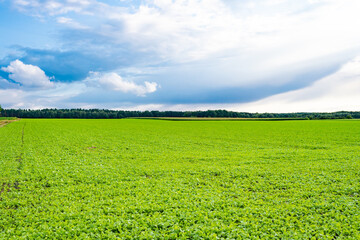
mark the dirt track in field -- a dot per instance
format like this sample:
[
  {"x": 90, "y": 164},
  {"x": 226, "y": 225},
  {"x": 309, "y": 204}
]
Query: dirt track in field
[{"x": 6, "y": 122}]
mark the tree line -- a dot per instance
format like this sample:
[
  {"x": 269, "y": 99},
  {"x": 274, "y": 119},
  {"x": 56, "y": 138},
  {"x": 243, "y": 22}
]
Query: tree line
[{"x": 114, "y": 114}]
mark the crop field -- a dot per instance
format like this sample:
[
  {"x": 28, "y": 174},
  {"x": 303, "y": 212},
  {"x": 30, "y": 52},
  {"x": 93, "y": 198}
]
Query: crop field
[{"x": 152, "y": 179}]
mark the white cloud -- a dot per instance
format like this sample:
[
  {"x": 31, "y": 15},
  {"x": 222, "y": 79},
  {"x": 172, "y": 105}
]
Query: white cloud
[
  {"x": 113, "y": 81},
  {"x": 336, "y": 92},
  {"x": 53, "y": 7},
  {"x": 29, "y": 76},
  {"x": 181, "y": 30},
  {"x": 10, "y": 97},
  {"x": 70, "y": 23},
  {"x": 57, "y": 96}
]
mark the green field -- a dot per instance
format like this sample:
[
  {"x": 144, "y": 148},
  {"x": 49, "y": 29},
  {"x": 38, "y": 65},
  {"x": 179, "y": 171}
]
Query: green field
[{"x": 152, "y": 179}]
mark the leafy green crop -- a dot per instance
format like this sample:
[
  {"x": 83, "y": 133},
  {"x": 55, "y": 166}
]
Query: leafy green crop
[{"x": 151, "y": 179}]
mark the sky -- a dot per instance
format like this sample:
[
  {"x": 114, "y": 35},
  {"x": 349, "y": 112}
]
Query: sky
[{"x": 238, "y": 55}]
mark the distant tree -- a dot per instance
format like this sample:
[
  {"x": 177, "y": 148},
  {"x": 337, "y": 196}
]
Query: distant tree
[{"x": 104, "y": 113}]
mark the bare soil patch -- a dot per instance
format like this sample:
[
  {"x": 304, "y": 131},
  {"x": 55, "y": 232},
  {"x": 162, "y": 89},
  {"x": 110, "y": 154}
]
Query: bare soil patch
[{"x": 6, "y": 122}]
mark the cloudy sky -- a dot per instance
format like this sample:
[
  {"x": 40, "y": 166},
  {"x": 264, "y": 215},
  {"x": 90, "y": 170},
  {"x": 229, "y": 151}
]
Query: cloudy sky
[{"x": 242, "y": 55}]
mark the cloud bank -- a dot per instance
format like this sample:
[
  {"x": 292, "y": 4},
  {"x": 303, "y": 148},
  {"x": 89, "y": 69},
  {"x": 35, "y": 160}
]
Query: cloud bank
[{"x": 338, "y": 91}]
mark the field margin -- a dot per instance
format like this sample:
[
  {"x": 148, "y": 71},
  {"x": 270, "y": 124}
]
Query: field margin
[{"x": 5, "y": 121}]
